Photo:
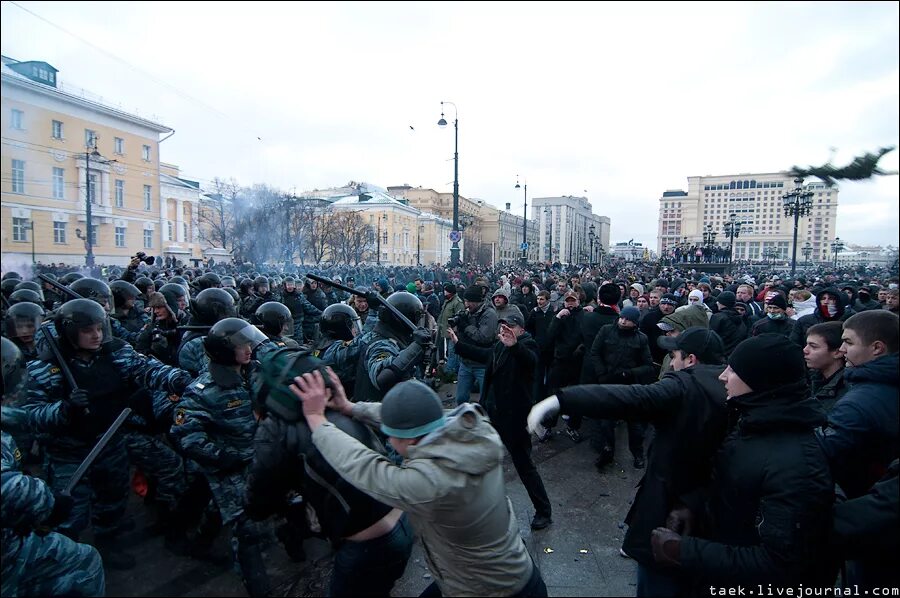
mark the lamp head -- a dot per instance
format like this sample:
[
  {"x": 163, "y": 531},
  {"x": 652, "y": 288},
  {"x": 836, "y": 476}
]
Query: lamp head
[{"x": 443, "y": 121}]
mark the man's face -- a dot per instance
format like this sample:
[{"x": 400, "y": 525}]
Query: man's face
[
  {"x": 361, "y": 304},
  {"x": 642, "y": 303},
  {"x": 892, "y": 301},
  {"x": 90, "y": 337},
  {"x": 182, "y": 302},
  {"x": 289, "y": 287},
  {"x": 25, "y": 330},
  {"x": 666, "y": 308},
  {"x": 418, "y": 285},
  {"x": 774, "y": 309},
  {"x": 817, "y": 354},
  {"x": 472, "y": 306},
  {"x": 448, "y": 296},
  {"x": 681, "y": 361},
  {"x": 626, "y": 324},
  {"x": 526, "y": 289},
  {"x": 571, "y": 302},
  {"x": 654, "y": 299},
  {"x": 243, "y": 353},
  {"x": 542, "y": 301},
  {"x": 734, "y": 386},
  {"x": 161, "y": 312},
  {"x": 882, "y": 296},
  {"x": 740, "y": 310},
  {"x": 827, "y": 299},
  {"x": 499, "y": 301},
  {"x": 561, "y": 287},
  {"x": 705, "y": 291},
  {"x": 634, "y": 293},
  {"x": 855, "y": 352},
  {"x": 693, "y": 300}
]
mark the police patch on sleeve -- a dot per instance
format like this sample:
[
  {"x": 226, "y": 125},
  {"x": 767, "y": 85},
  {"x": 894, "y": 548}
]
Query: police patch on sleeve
[{"x": 179, "y": 417}]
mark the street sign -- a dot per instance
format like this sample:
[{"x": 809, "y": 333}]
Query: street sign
[
  {"x": 455, "y": 236},
  {"x": 523, "y": 246}
]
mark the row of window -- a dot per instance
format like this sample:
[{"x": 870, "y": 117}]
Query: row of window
[
  {"x": 58, "y": 185},
  {"x": 752, "y": 184},
  {"x": 17, "y": 121},
  {"x": 21, "y": 226}
]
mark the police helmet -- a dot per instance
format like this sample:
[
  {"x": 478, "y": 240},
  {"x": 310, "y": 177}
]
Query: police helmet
[
  {"x": 8, "y": 286},
  {"x": 246, "y": 285},
  {"x": 212, "y": 305},
  {"x": 14, "y": 371},
  {"x": 233, "y": 293},
  {"x": 71, "y": 277},
  {"x": 339, "y": 321},
  {"x": 228, "y": 281},
  {"x": 77, "y": 314},
  {"x": 12, "y": 274},
  {"x": 227, "y": 335},
  {"x": 143, "y": 283},
  {"x": 210, "y": 280},
  {"x": 275, "y": 319},
  {"x": 176, "y": 296},
  {"x": 32, "y": 286},
  {"x": 92, "y": 288},
  {"x": 25, "y": 296},
  {"x": 122, "y": 291},
  {"x": 407, "y": 304},
  {"x": 22, "y": 320},
  {"x": 261, "y": 281}
]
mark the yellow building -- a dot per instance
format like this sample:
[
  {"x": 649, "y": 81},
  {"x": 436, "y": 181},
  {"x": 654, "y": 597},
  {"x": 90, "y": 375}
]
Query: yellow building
[{"x": 61, "y": 148}]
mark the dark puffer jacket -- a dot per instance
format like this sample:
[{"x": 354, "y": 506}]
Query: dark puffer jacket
[
  {"x": 861, "y": 437},
  {"x": 687, "y": 409},
  {"x": 769, "y": 509},
  {"x": 615, "y": 352},
  {"x": 730, "y": 326}
]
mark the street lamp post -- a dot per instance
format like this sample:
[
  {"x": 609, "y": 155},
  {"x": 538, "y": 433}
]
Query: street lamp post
[
  {"x": 524, "y": 221},
  {"x": 733, "y": 230},
  {"x": 591, "y": 235},
  {"x": 454, "y": 248},
  {"x": 836, "y": 247},
  {"x": 88, "y": 214},
  {"x": 30, "y": 227},
  {"x": 378, "y": 239},
  {"x": 419, "y": 245},
  {"x": 797, "y": 203},
  {"x": 807, "y": 251},
  {"x": 709, "y": 238}
]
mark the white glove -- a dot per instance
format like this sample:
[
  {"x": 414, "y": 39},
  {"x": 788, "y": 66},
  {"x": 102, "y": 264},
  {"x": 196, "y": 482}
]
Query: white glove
[{"x": 547, "y": 407}]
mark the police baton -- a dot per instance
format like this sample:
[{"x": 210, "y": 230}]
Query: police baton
[
  {"x": 347, "y": 289},
  {"x": 57, "y": 354},
  {"x": 92, "y": 456},
  {"x": 60, "y": 287}
]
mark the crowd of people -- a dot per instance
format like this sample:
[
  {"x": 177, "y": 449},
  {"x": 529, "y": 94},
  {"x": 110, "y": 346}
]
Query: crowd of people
[{"x": 762, "y": 411}]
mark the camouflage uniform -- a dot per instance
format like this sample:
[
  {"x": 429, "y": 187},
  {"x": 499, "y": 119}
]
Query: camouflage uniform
[
  {"x": 34, "y": 565},
  {"x": 110, "y": 377},
  {"x": 192, "y": 356},
  {"x": 378, "y": 353},
  {"x": 214, "y": 425},
  {"x": 343, "y": 357},
  {"x": 273, "y": 344}
]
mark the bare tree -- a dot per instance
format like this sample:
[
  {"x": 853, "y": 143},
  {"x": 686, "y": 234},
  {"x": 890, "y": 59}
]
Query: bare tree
[
  {"x": 217, "y": 213},
  {"x": 353, "y": 240}
]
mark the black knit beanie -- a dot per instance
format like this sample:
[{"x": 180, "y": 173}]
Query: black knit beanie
[
  {"x": 768, "y": 361},
  {"x": 474, "y": 293}
]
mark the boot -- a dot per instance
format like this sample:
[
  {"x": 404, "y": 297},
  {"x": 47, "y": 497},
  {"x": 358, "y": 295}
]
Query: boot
[
  {"x": 113, "y": 555},
  {"x": 253, "y": 570}
]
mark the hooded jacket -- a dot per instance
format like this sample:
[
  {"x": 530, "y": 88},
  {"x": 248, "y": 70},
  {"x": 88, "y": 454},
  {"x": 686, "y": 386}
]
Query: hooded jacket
[
  {"x": 769, "y": 508},
  {"x": 844, "y": 311},
  {"x": 451, "y": 485},
  {"x": 861, "y": 440}
]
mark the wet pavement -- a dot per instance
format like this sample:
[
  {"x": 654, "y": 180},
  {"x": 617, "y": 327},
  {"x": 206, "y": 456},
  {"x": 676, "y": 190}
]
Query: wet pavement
[{"x": 578, "y": 554}]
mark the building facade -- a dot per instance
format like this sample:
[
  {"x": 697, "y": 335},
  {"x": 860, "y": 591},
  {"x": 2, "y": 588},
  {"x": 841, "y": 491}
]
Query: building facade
[
  {"x": 564, "y": 230},
  {"x": 61, "y": 150},
  {"x": 756, "y": 201},
  {"x": 502, "y": 235}
]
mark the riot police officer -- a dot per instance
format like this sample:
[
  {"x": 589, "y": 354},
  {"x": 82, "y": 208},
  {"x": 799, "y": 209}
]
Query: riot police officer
[
  {"x": 341, "y": 342},
  {"x": 210, "y": 306},
  {"x": 277, "y": 324},
  {"x": 299, "y": 305},
  {"x": 126, "y": 311}
]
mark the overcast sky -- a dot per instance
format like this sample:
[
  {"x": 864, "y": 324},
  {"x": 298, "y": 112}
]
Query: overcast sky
[{"x": 617, "y": 102}]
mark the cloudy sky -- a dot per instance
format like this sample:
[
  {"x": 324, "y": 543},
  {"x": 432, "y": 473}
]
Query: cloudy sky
[{"x": 618, "y": 102}]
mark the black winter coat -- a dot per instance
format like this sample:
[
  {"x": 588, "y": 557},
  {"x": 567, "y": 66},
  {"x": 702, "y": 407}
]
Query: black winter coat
[
  {"x": 538, "y": 326},
  {"x": 508, "y": 379},
  {"x": 687, "y": 409},
  {"x": 767, "y": 325},
  {"x": 652, "y": 332},
  {"x": 769, "y": 507},
  {"x": 730, "y": 326},
  {"x": 591, "y": 324},
  {"x": 615, "y": 352}
]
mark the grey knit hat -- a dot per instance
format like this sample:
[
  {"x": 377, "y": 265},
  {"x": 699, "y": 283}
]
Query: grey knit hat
[{"x": 411, "y": 409}]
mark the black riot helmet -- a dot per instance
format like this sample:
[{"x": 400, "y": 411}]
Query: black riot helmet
[
  {"x": 25, "y": 296},
  {"x": 22, "y": 320},
  {"x": 8, "y": 286},
  {"x": 77, "y": 314},
  {"x": 212, "y": 305},
  {"x": 143, "y": 283},
  {"x": 71, "y": 277},
  {"x": 275, "y": 319},
  {"x": 228, "y": 281},
  {"x": 14, "y": 371},
  {"x": 12, "y": 274},
  {"x": 122, "y": 291},
  {"x": 210, "y": 280},
  {"x": 176, "y": 296},
  {"x": 246, "y": 285},
  {"x": 226, "y": 336},
  {"x": 408, "y": 305},
  {"x": 92, "y": 288},
  {"x": 339, "y": 321},
  {"x": 31, "y": 286},
  {"x": 233, "y": 293},
  {"x": 259, "y": 283}
]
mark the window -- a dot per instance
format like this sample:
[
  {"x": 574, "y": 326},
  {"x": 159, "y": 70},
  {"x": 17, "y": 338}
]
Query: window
[
  {"x": 20, "y": 229},
  {"x": 56, "y": 129},
  {"x": 59, "y": 232},
  {"x": 120, "y": 236},
  {"x": 59, "y": 177},
  {"x": 18, "y": 176},
  {"x": 148, "y": 197},
  {"x": 145, "y": 153},
  {"x": 187, "y": 236},
  {"x": 90, "y": 138},
  {"x": 120, "y": 193},
  {"x": 170, "y": 230},
  {"x": 92, "y": 188},
  {"x": 148, "y": 239},
  {"x": 17, "y": 120},
  {"x": 119, "y": 145}
]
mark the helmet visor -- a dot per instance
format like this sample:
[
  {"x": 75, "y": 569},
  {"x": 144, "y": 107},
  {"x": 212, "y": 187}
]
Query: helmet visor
[
  {"x": 22, "y": 326},
  {"x": 247, "y": 336},
  {"x": 287, "y": 327}
]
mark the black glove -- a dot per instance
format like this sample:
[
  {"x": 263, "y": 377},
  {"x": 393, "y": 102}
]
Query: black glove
[
  {"x": 374, "y": 299},
  {"x": 230, "y": 463},
  {"x": 79, "y": 399},
  {"x": 666, "y": 546},
  {"x": 627, "y": 377},
  {"x": 421, "y": 336},
  {"x": 681, "y": 520},
  {"x": 182, "y": 382},
  {"x": 62, "y": 507}
]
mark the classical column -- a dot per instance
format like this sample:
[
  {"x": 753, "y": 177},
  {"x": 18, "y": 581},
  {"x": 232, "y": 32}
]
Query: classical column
[{"x": 179, "y": 220}]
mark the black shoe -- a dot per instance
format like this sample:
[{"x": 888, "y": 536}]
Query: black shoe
[
  {"x": 639, "y": 463},
  {"x": 540, "y": 521},
  {"x": 548, "y": 435},
  {"x": 574, "y": 434},
  {"x": 605, "y": 458}
]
